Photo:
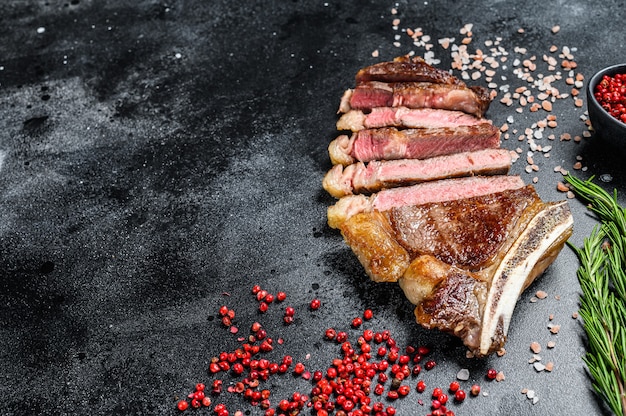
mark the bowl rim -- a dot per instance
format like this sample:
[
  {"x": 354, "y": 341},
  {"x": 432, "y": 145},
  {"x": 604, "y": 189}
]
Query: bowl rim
[{"x": 609, "y": 70}]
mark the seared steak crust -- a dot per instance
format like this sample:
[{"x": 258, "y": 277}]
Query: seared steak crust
[
  {"x": 406, "y": 69},
  {"x": 455, "y": 306},
  {"x": 467, "y": 233}
]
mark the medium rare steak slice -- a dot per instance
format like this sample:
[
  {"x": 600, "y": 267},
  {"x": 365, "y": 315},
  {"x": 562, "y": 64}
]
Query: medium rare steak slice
[
  {"x": 376, "y": 175},
  {"x": 369, "y": 95},
  {"x": 355, "y": 120},
  {"x": 406, "y": 69},
  {"x": 463, "y": 262},
  {"x": 422, "y": 193},
  {"x": 389, "y": 143}
]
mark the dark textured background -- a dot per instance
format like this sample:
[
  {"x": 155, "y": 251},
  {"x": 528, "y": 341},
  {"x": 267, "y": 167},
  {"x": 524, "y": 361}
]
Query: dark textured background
[{"x": 157, "y": 159}]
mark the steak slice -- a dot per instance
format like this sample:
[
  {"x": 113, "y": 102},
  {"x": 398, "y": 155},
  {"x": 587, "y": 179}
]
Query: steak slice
[
  {"x": 406, "y": 69},
  {"x": 376, "y": 175},
  {"x": 369, "y": 95},
  {"x": 422, "y": 193},
  {"x": 463, "y": 262},
  {"x": 389, "y": 143},
  {"x": 355, "y": 120}
]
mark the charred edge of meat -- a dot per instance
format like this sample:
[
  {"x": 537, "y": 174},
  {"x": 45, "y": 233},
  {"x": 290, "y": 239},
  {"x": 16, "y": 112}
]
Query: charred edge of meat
[
  {"x": 406, "y": 68},
  {"x": 377, "y": 175},
  {"x": 385, "y": 261},
  {"x": 536, "y": 248},
  {"x": 455, "y": 306}
]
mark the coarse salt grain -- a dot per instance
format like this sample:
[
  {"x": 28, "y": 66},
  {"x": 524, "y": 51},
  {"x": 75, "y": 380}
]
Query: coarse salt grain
[
  {"x": 535, "y": 347},
  {"x": 554, "y": 328},
  {"x": 463, "y": 374},
  {"x": 539, "y": 366}
]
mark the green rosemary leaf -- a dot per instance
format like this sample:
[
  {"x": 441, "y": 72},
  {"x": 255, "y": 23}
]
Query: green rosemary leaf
[{"x": 602, "y": 278}]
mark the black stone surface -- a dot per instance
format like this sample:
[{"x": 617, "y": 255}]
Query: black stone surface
[{"x": 158, "y": 159}]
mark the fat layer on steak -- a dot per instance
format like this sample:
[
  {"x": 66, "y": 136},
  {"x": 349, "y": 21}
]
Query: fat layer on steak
[
  {"x": 369, "y": 95},
  {"x": 389, "y": 143},
  {"x": 463, "y": 262},
  {"x": 355, "y": 120},
  {"x": 377, "y": 175},
  {"x": 422, "y": 193}
]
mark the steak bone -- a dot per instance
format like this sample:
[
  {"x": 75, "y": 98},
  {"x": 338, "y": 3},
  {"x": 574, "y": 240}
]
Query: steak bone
[{"x": 535, "y": 249}]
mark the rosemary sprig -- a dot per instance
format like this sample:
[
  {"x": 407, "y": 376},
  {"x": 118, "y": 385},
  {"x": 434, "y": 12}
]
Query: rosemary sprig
[{"x": 602, "y": 277}]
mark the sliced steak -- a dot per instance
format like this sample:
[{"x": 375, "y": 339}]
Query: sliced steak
[
  {"x": 390, "y": 143},
  {"x": 463, "y": 262},
  {"x": 423, "y": 193},
  {"x": 356, "y": 120},
  {"x": 376, "y": 175},
  {"x": 406, "y": 69},
  {"x": 369, "y": 95}
]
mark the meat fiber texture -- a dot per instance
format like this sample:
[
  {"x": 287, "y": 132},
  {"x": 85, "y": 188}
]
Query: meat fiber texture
[{"x": 425, "y": 200}]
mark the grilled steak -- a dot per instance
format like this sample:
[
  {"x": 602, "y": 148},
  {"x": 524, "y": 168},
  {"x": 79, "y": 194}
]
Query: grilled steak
[
  {"x": 406, "y": 69},
  {"x": 389, "y": 143},
  {"x": 463, "y": 262},
  {"x": 376, "y": 175},
  {"x": 356, "y": 120},
  {"x": 422, "y": 193},
  {"x": 369, "y": 95},
  {"x": 461, "y": 248}
]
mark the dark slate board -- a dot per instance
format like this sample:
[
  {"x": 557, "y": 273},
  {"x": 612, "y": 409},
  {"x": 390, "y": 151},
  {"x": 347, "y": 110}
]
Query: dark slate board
[{"x": 158, "y": 159}]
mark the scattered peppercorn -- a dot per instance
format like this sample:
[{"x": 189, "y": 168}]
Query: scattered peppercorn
[
  {"x": 454, "y": 386},
  {"x": 459, "y": 395},
  {"x": 315, "y": 304},
  {"x": 330, "y": 334},
  {"x": 182, "y": 405},
  {"x": 344, "y": 388},
  {"x": 430, "y": 364}
]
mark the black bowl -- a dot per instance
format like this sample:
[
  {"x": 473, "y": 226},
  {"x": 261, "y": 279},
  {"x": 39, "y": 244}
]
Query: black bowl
[{"x": 607, "y": 127}]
